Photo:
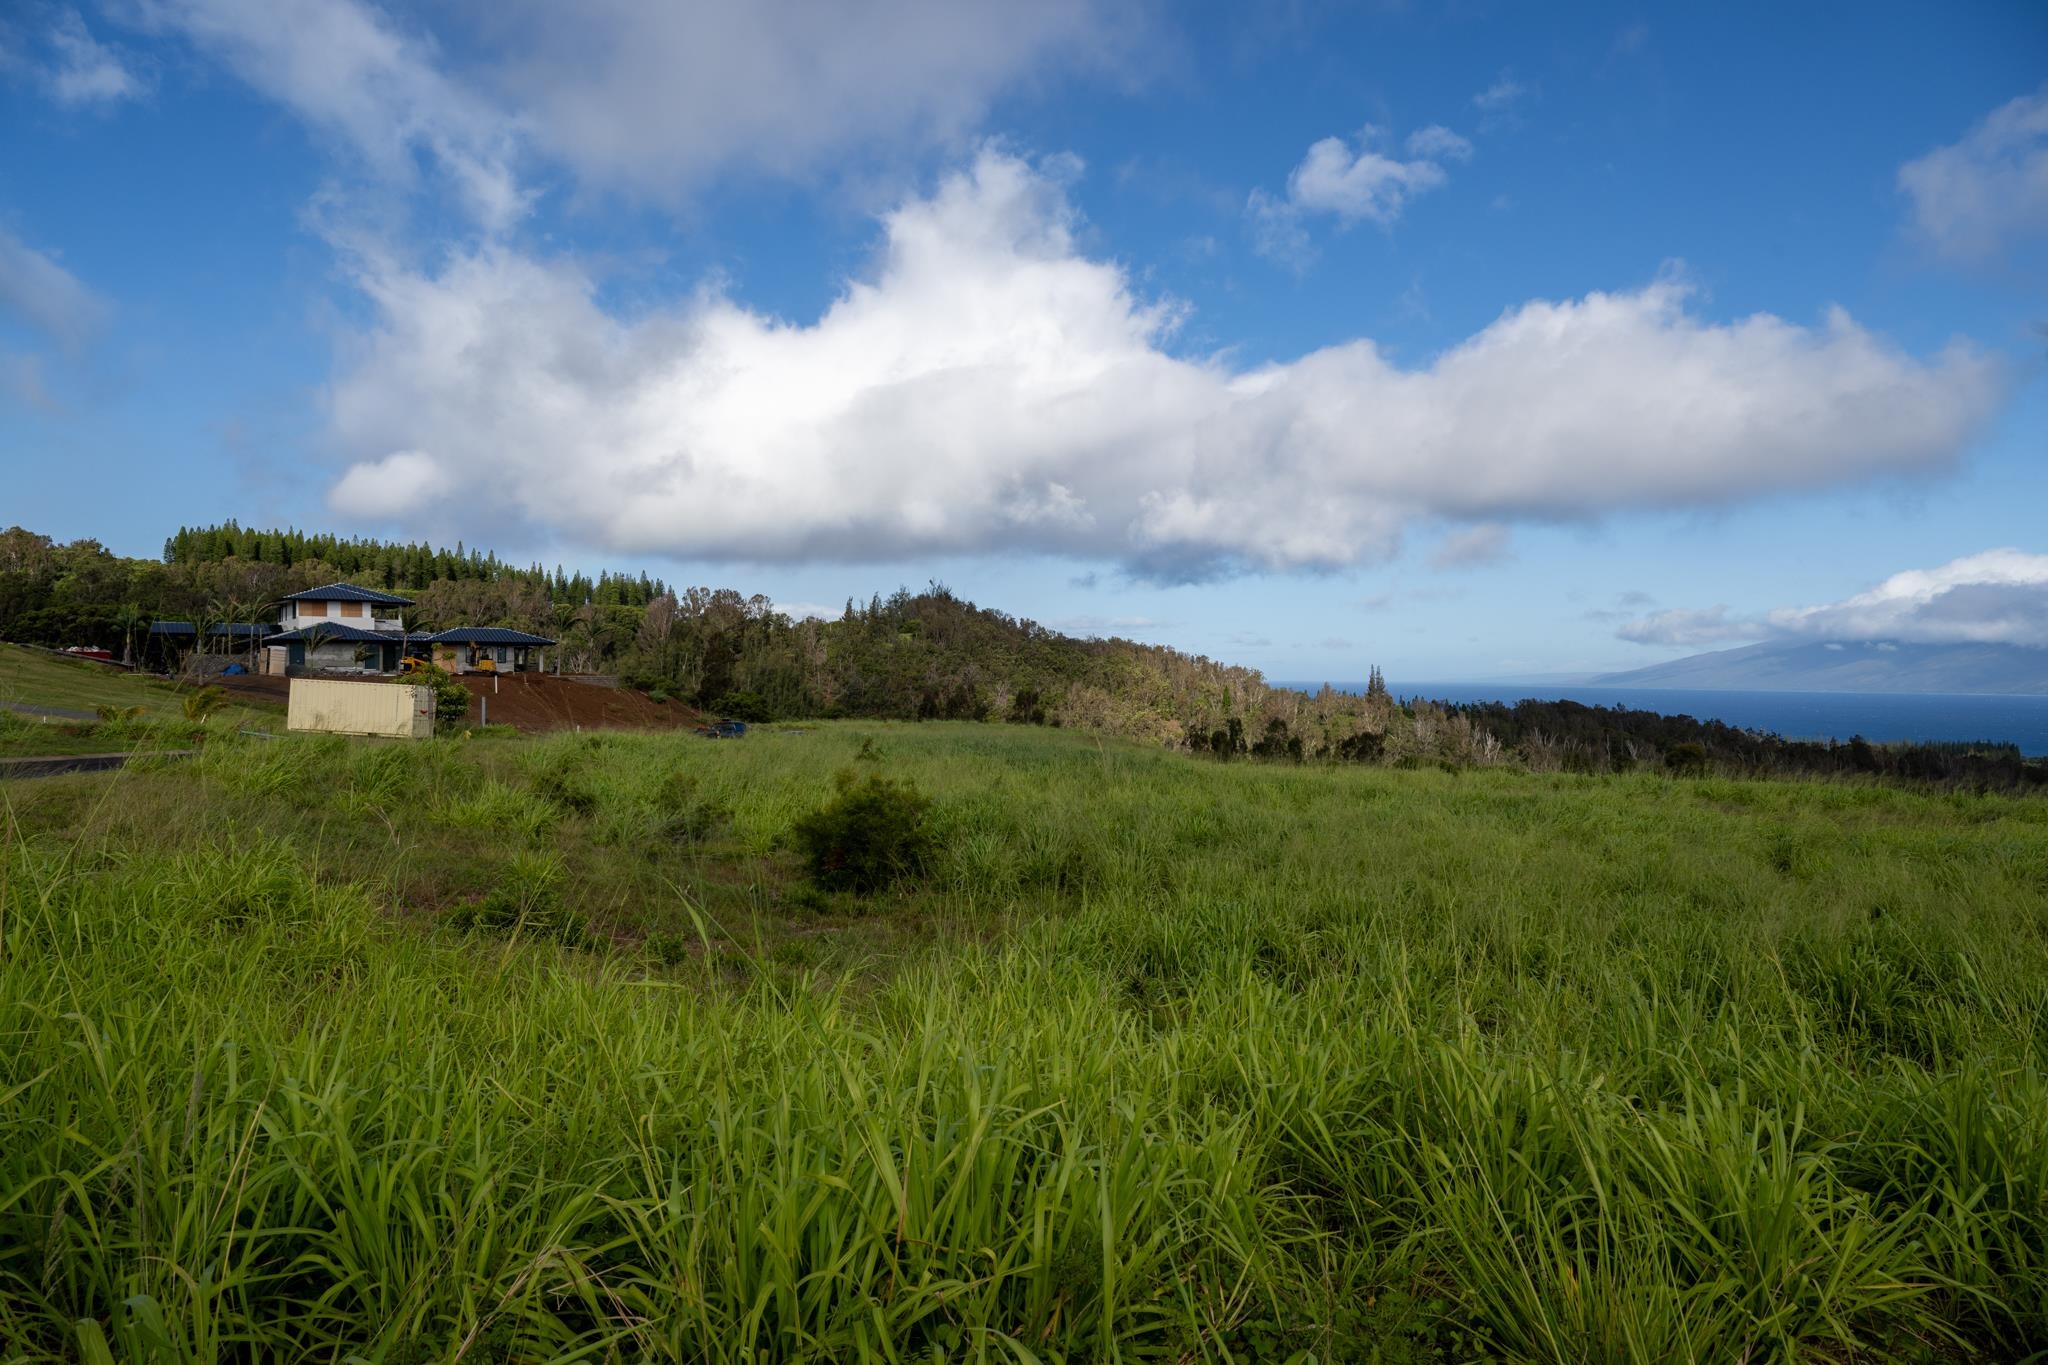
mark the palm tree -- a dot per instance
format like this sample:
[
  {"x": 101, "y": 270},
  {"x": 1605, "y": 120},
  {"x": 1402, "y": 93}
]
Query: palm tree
[
  {"x": 128, "y": 619},
  {"x": 598, "y": 632},
  {"x": 564, "y": 614}
]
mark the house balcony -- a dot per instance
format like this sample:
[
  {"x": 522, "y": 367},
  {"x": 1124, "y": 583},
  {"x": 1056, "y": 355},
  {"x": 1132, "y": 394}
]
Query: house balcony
[{"x": 385, "y": 625}]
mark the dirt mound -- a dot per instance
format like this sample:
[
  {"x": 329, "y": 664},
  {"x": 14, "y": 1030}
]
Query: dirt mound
[
  {"x": 255, "y": 686},
  {"x": 539, "y": 701},
  {"x": 528, "y": 701}
]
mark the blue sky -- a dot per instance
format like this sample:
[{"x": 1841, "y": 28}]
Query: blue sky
[{"x": 1474, "y": 340}]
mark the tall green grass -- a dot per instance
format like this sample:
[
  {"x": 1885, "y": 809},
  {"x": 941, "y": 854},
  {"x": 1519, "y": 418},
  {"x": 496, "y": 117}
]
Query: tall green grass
[{"x": 1167, "y": 1060}]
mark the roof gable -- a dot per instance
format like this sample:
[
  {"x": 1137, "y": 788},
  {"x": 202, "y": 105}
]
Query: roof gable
[
  {"x": 348, "y": 592},
  {"x": 330, "y": 632},
  {"x": 487, "y": 635}
]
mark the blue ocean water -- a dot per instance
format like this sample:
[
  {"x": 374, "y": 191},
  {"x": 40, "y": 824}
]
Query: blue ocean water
[{"x": 1881, "y": 717}]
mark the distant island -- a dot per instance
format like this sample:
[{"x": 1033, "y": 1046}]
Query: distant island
[{"x": 1850, "y": 666}]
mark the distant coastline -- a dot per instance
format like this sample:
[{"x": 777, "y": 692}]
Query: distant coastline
[{"x": 1881, "y": 717}]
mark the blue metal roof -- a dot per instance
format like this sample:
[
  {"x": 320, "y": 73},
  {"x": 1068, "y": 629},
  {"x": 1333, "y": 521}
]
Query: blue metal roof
[
  {"x": 348, "y": 592},
  {"x": 338, "y": 634},
  {"x": 486, "y": 635},
  {"x": 173, "y": 628}
]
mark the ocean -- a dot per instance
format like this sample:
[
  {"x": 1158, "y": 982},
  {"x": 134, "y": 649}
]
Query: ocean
[{"x": 1881, "y": 717}]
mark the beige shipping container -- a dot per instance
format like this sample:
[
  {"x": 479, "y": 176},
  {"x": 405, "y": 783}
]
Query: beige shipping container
[{"x": 394, "y": 710}]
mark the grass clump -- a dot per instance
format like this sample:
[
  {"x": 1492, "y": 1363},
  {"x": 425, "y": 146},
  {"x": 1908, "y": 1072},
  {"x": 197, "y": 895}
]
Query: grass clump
[
  {"x": 526, "y": 903},
  {"x": 522, "y": 911},
  {"x": 874, "y": 832}
]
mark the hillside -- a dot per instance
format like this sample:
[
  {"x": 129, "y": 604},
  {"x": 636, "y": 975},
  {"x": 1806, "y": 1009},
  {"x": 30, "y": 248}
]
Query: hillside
[
  {"x": 924, "y": 655},
  {"x": 53, "y": 705},
  {"x": 1833, "y": 666}
]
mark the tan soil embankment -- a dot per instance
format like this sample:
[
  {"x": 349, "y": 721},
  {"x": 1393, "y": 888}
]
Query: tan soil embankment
[{"x": 538, "y": 701}]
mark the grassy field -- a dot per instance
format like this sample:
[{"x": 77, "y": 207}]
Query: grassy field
[
  {"x": 152, "y": 710},
  {"x": 1166, "y": 1059}
]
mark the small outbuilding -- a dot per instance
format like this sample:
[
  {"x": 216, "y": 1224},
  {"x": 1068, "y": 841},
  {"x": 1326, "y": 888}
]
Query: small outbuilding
[
  {"x": 335, "y": 648},
  {"x": 489, "y": 649}
]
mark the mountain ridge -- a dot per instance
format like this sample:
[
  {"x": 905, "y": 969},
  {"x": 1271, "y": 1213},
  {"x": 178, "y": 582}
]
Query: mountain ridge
[{"x": 1850, "y": 666}]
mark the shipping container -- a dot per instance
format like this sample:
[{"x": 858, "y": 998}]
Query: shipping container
[{"x": 394, "y": 710}]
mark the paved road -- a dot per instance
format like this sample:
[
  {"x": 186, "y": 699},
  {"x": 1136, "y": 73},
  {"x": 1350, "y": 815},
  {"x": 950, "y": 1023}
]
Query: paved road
[
  {"x": 49, "y": 712},
  {"x": 74, "y": 763}
]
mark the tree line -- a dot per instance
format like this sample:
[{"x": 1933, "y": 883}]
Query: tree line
[
  {"x": 925, "y": 655},
  {"x": 399, "y": 568}
]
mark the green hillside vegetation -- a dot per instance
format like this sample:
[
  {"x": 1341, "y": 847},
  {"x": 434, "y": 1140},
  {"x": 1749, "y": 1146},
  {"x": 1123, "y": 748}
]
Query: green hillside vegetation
[
  {"x": 922, "y": 656},
  {"x": 541, "y": 1050},
  {"x": 909, "y": 656}
]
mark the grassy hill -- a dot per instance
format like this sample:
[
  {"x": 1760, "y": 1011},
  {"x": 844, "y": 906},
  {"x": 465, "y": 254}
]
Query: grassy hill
[
  {"x": 518, "y": 1049},
  {"x": 127, "y": 711}
]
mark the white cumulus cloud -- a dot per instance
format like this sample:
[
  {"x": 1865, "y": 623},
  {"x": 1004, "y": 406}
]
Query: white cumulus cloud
[
  {"x": 1502, "y": 95},
  {"x": 1355, "y": 182},
  {"x": 1691, "y": 627},
  {"x": 45, "y": 297},
  {"x": 393, "y": 486},
  {"x": 1440, "y": 143},
  {"x": 649, "y": 98},
  {"x": 83, "y": 70},
  {"x": 1974, "y": 198},
  {"x": 1997, "y": 597},
  {"x": 655, "y": 97},
  {"x": 985, "y": 388},
  {"x": 1488, "y": 543},
  {"x": 355, "y": 74}
]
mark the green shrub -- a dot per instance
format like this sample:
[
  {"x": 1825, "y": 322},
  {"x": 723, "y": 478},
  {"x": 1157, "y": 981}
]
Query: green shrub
[
  {"x": 565, "y": 790},
  {"x": 1688, "y": 759},
  {"x": 668, "y": 949},
  {"x": 747, "y": 705},
  {"x": 451, "y": 698},
  {"x": 494, "y": 805},
  {"x": 204, "y": 702},
  {"x": 686, "y": 815},
  {"x": 876, "y": 831},
  {"x": 506, "y": 911}
]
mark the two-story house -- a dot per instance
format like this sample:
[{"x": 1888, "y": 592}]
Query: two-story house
[
  {"x": 339, "y": 628},
  {"x": 345, "y": 629}
]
